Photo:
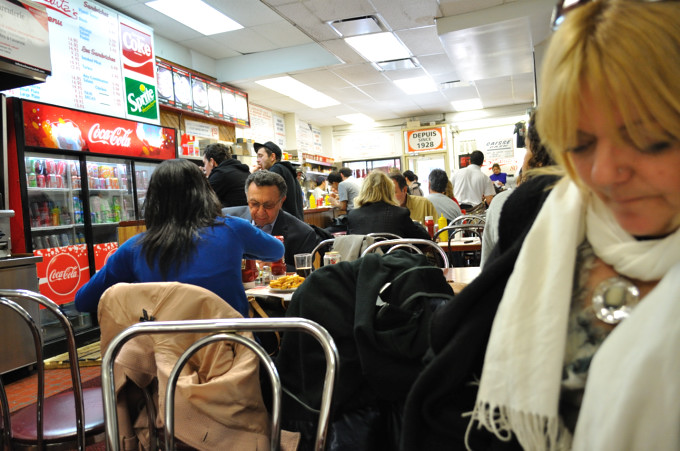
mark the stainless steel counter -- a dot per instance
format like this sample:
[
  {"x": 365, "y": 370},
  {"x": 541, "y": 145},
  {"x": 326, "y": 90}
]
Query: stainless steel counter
[{"x": 18, "y": 272}]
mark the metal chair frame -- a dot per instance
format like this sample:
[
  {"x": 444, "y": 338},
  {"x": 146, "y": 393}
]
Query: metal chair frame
[
  {"x": 318, "y": 248},
  {"x": 5, "y": 299},
  {"x": 410, "y": 243},
  {"x": 477, "y": 229},
  {"x": 220, "y": 327},
  {"x": 478, "y": 219}
]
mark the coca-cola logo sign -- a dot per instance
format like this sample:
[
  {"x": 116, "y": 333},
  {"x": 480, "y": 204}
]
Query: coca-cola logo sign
[
  {"x": 63, "y": 274},
  {"x": 119, "y": 136},
  {"x": 137, "y": 51}
]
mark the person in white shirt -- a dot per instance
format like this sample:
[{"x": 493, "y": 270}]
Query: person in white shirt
[
  {"x": 348, "y": 189},
  {"x": 470, "y": 186}
]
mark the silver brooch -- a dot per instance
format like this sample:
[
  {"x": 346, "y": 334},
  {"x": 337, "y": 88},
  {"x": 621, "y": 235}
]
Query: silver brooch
[{"x": 614, "y": 299}]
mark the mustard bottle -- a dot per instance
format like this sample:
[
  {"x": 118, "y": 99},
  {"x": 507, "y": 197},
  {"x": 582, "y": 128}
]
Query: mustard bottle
[
  {"x": 312, "y": 201},
  {"x": 441, "y": 223}
]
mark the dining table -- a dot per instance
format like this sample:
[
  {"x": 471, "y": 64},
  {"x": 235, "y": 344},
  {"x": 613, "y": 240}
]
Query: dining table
[
  {"x": 461, "y": 244},
  {"x": 460, "y": 277}
]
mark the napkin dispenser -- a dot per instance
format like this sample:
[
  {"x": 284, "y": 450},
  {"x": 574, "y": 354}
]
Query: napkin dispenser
[{"x": 5, "y": 240}]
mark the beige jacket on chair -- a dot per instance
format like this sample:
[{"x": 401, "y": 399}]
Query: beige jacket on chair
[{"x": 218, "y": 402}]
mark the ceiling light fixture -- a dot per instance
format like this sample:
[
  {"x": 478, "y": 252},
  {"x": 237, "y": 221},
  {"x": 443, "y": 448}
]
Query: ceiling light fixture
[
  {"x": 467, "y": 104},
  {"x": 379, "y": 47},
  {"x": 416, "y": 85},
  {"x": 288, "y": 86},
  {"x": 196, "y": 15},
  {"x": 356, "y": 118}
]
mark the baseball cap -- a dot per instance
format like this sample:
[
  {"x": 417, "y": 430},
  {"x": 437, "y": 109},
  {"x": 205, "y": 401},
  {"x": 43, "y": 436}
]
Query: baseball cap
[{"x": 273, "y": 148}]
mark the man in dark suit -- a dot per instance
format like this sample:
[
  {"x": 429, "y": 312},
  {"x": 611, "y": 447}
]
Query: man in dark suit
[{"x": 266, "y": 192}]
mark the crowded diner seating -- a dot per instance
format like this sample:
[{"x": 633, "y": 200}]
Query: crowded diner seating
[{"x": 543, "y": 317}]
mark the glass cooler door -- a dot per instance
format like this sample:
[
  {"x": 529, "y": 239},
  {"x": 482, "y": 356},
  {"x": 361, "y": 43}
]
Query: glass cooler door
[{"x": 111, "y": 201}]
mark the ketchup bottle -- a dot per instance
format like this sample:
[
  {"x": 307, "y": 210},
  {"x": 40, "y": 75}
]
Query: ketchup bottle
[{"x": 429, "y": 225}]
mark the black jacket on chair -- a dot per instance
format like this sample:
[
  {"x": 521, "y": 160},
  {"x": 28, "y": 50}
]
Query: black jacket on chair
[
  {"x": 434, "y": 416},
  {"x": 229, "y": 181},
  {"x": 381, "y": 217}
]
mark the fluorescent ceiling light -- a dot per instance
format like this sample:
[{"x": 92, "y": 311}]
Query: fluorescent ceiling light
[
  {"x": 379, "y": 46},
  {"x": 296, "y": 90},
  {"x": 403, "y": 64},
  {"x": 356, "y": 118},
  {"x": 195, "y": 14},
  {"x": 467, "y": 104},
  {"x": 416, "y": 85}
]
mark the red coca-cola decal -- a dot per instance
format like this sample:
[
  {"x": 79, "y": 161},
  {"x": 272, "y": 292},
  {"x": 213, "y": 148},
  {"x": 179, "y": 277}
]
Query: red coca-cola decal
[
  {"x": 118, "y": 136},
  {"x": 63, "y": 274},
  {"x": 102, "y": 252},
  {"x": 61, "y": 128},
  {"x": 137, "y": 50}
]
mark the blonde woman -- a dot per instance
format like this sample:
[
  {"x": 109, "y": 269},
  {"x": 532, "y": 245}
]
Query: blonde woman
[
  {"x": 376, "y": 210},
  {"x": 583, "y": 351}
]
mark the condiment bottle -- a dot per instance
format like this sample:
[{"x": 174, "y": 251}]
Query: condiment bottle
[
  {"x": 429, "y": 225},
  {"x": 312, "y": 201},
  {"x": 441, "y": 222},
  {"x": 278, "y": 268}
]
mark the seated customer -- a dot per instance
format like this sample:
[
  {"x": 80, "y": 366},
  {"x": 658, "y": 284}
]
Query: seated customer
[
  {"x": 498, "y": 178},
  {"x": 187, "y": 240},
  {"x": 418, "y": 206},
  {"x": 266, "y": 192},
  {"x": 376, "y": 210},
  {"x": 444, "y": 204}
]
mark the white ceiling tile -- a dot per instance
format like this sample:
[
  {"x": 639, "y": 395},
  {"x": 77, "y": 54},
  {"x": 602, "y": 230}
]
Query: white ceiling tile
[
  {"x": 455, "y": 7},
  {"x": 403, "y": 14},
  {"x": 299, "y": 15},
  {"x": 437, "y": 64},
  {"x": 359, "y": 74},
  {"x": 245, "y": 40},
  {"x": 347, "y": 54},
  {"x": 383, "y": 91},
  {"x": 246, "y": 13},
  {"x": 321, "y": 79},
  {"x": 406, "y": 73},
  {"x": 421, "y": 41},
  {"x": 350, "y": 96},
  {"x": 210, "y": 47},
  {"x": 327, "y": 10},
  {"x": 282, "y": 34}
]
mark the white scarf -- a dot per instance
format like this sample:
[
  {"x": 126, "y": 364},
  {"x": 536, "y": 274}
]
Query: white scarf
[{"x": 520, "y": 384}]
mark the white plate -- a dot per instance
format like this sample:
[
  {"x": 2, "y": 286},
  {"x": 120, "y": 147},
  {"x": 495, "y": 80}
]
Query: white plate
[{"x": 282, "y": 290}]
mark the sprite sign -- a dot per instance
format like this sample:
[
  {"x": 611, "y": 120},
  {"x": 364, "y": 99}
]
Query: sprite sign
[{"x": 141, "y": 99}]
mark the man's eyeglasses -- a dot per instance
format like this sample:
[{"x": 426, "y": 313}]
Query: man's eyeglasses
[
  {"x": 564, "y": 6},
  {"x": 266, "y": 205}
]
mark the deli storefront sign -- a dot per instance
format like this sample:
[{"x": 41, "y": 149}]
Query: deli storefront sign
[
  {"x": 431, "y": 139},
  {"x": 62, "y": 272},
  {"x": 61, "y": 128}
]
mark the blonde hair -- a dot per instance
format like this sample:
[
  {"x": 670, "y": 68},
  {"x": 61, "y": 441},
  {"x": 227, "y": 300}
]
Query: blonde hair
[
  {"x": 377, "y": 187},
  {"x": 626, "y": 55}
]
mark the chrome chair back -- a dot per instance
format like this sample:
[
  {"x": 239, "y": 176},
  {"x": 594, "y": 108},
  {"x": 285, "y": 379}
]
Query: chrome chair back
[
  {"x": 70, "y": 426},
  {"x": 468, "y": 219},
  {"x": 411, "y": 243},
  {"x": 222, "y": 329}
]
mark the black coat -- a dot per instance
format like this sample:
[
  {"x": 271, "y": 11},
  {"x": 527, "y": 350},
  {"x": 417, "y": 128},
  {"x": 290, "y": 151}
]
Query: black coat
[
  {"x": 229, "y": 182},
  {"x": 445, "y": 390},
  {"x": 293, "y": 203},
  {"x": 381, "y": 217}
]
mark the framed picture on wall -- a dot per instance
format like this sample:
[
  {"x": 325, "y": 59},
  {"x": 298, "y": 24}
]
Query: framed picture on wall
[{"x": 463, "y": 160}]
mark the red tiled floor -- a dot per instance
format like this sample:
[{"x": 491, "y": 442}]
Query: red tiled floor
[{"x": 23, "y": 392}]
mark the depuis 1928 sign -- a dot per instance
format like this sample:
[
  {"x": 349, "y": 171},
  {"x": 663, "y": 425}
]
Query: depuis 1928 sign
[{"x": 425, "y": 140}]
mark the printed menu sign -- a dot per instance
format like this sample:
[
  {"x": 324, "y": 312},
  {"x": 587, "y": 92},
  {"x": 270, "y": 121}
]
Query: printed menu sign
[
  {"x": 181, "y": 89},
  {"x": 93, "y": 49},
  {"x": 24, "y": 39},
  {"x": 60, "y": 128}
]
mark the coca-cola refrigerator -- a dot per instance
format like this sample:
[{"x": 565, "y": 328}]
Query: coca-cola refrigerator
[{"x": 73, "y": 177}]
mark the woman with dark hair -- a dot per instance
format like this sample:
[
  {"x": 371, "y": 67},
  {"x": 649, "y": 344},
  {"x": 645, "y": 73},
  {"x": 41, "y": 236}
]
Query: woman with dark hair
[
  {"x": 187, "y": 240},
  {"x": 377, "y": 211}
]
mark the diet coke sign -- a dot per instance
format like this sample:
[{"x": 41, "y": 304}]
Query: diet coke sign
[
  {"x": 63, "y": 274},
  {"x": 118, "y": 136}
]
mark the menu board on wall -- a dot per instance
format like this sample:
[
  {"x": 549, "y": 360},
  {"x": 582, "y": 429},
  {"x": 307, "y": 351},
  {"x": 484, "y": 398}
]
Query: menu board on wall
[
  {"x": 100, "y": 62},
  {"x": 196, "y": 94},
  {"x": 308, "y": 138}
]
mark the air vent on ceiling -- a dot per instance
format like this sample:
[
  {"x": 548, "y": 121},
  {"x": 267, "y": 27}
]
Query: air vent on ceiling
[
  {"x": 357, "y": 26},
  {"x": 400, "y": 64}
]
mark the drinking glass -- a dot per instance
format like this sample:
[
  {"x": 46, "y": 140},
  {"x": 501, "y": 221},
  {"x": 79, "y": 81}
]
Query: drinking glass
[{"x": 303, "y": 264}]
